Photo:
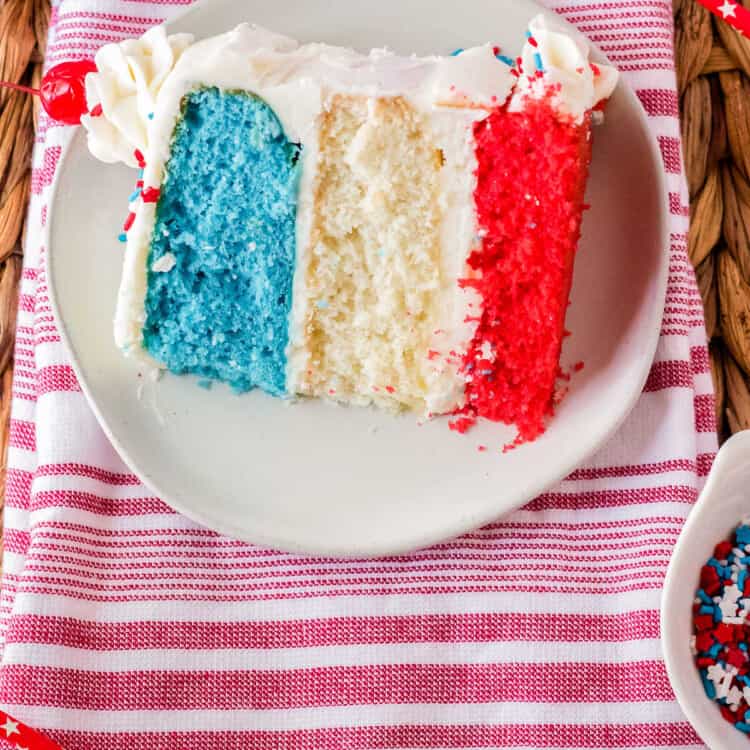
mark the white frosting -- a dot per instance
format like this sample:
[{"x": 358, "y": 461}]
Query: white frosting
[
  {"x": 128, "y": 78},
  {"x": 566, "y": 66},
  {"x": 473, "y": 78}
]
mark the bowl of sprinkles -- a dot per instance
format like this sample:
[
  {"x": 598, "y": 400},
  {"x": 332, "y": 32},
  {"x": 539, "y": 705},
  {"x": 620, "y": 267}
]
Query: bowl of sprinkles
[{"x": 705, "y": 612}]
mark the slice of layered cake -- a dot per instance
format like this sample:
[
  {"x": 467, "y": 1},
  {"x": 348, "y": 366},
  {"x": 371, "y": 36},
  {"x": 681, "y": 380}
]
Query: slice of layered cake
[{"x": 369, "y": 229}]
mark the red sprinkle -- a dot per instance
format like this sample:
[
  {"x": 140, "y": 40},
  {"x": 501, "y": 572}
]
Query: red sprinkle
[
  {"x": 150, "y": 195},
  {"x": 390, "y": 389},
  {"x": 431, "y": 354},
  {"x": 139, "y": 158},
  {"x": 578, "y": 366},
  {"x": 595, "y": 69},
  {"x": 481, "y": 448},
  {"x": 722, "y": 551},
  {"x": 533, "y": 42},
  {"x": 129, "y": 221},
  {"x": 96, "y": 111}
]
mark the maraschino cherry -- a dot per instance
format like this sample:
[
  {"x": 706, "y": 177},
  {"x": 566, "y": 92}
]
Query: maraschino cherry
[{"x": 62, "y": 91}]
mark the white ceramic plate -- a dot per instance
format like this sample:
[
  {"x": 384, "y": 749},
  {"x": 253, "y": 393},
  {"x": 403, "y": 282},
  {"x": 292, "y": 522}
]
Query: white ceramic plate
[{"x": 321, "y": 479}]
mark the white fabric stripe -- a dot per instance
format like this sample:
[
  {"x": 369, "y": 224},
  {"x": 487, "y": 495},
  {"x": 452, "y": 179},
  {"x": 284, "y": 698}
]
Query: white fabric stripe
[
  {"x": 491, "y": 714},
  {"x": 541, "y": 652},
  {"x": 340, "y": 606},
  {"x": 157, "y": 522},
  {"x": 19, "y": 458},
  {"x": 24, "y": 410}
]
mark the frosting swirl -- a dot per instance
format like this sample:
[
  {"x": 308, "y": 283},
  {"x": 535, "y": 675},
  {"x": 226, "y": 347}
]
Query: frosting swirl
[
  {"x": 124, "y": 89},
  {"x": 564, "y": 62}
]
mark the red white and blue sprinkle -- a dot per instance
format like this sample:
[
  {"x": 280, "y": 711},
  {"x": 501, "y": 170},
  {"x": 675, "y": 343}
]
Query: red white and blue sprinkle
[{"x": 721, "y": 614}]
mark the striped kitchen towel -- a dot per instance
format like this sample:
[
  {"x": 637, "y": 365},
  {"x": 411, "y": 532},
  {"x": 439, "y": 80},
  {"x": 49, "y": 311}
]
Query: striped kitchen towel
[{"x": 126, "y": 627}]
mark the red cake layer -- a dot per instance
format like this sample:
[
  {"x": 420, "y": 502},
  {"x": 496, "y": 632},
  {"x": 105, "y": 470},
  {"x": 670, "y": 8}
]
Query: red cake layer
[{"x": 531, "y": 178}]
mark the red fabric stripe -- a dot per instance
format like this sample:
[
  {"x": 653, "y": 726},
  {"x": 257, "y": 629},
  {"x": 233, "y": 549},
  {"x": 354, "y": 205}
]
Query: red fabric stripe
[
  {"x": 104, "y": 506},
  {"x": 613, "y": 498},
  {"x": 88, "y": 471},
  {"x": 669, "y": 374},
  {"x": 676, "y": 206},
  {"x": 42, "y": 176},
  {"x": 384, "y": 737},
  {"x": 17, "y": 488},
  {"x": 670, "y": 151},
  {"x": 705, "y": 415},
  {"x": 634, "y": 470},
  {"x": 334, "y": 686},
  {"x": 15, "y": 540},
  {"x": 458, "y": 628},
  {"x": 22, "y": 435},
  {"x": 56, "y": 378}
]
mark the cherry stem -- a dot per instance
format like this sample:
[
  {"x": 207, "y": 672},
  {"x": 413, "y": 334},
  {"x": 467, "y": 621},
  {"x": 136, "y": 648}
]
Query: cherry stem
[{"x": 19, "y": 87}]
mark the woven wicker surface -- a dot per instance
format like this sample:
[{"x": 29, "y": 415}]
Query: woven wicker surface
[
  {"x": 23, "y": 33},
  {"x": 713, "y": 70},
  {"x": 713, "y": 74}
]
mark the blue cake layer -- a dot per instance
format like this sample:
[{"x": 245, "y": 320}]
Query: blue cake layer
[{"x": 227, "y": 212}]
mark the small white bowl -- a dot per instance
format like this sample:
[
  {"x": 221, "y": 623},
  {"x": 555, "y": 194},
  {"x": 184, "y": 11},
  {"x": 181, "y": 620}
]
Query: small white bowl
[{"x": 725, "y": 500}]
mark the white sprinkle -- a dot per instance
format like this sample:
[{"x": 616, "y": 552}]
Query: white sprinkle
[
  {"x": 734, "y": 696},
  {"x": 164, "y": 264}
]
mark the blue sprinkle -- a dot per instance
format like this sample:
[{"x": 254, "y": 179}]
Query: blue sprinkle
[
  {"x": 528, "y": 35},
  {"x": 140, "y": 173},
  {"x": 743, "y": 727},
  {"x": 538, "y": 62},
  {"x": 207, "y": 385},
  {"x": 705, "y": 598},
  {"x": 707, "y": 609},
  {"x": 134, "y": 195},
  {"x": 741, "y": 578},
  {"x": 717, "y": 615},
  {"x": 708, "y": 686},
  {"x": 122, "y": 237},
  {"x": 507, "y": 60},
  {"x": 743, "y": 646},
  {"x": 322, "y": 304},
  {"x": 743, "y": 534},
  {"x": 150, "y": 115},
  {"x": 457, "y": 52},
  {"x": 715, "y": 650}
]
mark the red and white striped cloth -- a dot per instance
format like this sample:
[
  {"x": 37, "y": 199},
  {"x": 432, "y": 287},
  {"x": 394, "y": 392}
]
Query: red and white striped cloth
[{"x": 127, "y": 626}]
